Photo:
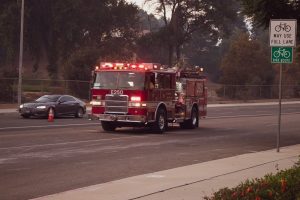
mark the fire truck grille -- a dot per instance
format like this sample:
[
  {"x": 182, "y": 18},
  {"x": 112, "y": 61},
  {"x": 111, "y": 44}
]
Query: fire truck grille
[{"x": 116, "y": 104}]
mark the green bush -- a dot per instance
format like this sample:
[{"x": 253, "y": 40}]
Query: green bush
[
  {"x": 7, "y": 90},
  {"x": 8, "y": 85},
  {"x": 285, "y": 185}
]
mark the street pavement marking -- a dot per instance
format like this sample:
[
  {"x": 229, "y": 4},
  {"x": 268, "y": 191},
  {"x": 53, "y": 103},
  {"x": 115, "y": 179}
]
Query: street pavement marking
[
  {"x": 272, "y": 124},
  {"x": 64, "y": 143},
  {"x": 48, "y": 126},
  {"x": 261, "y": 111}
]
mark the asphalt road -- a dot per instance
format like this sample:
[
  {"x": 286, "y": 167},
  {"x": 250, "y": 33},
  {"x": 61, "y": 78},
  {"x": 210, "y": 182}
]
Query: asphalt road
[{"x": 38, "y": 158}]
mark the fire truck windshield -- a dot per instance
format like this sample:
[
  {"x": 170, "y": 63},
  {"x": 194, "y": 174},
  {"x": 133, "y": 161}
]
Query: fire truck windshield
[{"x": 119, "y": 79}]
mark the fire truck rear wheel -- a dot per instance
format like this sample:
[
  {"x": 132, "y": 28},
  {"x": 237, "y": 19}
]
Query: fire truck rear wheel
[
  {"x": 160, "y": 125},
  {"x": 192, "y": 122},
  {"x": 108, "y": 126}
]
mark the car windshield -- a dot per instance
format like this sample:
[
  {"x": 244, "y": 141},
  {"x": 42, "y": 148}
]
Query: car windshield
[
  {"x": 47, "y": 98},
  {"x": 117, "y": 80}
]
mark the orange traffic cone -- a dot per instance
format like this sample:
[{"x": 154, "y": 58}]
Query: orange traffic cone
[{"x": 50, "y": 115}]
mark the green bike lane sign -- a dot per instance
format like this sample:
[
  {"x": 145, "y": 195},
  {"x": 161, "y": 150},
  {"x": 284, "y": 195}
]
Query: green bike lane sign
[{"x": 282, "y": 55}]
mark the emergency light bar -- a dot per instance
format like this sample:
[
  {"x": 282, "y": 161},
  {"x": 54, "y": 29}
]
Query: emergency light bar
[{"x": 126, "y": 66}]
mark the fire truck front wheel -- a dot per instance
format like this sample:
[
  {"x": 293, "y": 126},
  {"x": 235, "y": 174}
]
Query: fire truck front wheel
[
  {"x": 160, "y": 124},
  {"x": 108, "y": 126}
]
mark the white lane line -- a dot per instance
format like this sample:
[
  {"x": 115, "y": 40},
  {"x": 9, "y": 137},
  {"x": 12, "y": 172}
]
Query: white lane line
[
  {"x": 228, "y": 112},
  {"x": 262, "y": 111},
  {"x": 48, "y": 126},
  {"x": 66, "y": 143},
  {"x": 269, "y": 125}
]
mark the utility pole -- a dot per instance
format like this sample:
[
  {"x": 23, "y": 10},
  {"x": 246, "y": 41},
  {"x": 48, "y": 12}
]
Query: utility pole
[{"x": 21, "y": 55}]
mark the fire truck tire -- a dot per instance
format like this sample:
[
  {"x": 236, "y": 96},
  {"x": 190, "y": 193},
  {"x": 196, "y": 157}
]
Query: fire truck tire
[
  {"x": 108, "y": 126},
  {"x": 160, "y": 124},
  {"x": 192, "y": 122}
]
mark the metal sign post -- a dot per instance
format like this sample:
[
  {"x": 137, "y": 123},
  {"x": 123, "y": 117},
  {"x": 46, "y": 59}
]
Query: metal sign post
[
  {"x": 279, "y": 113},
  {"x": 282, "y": 39}
]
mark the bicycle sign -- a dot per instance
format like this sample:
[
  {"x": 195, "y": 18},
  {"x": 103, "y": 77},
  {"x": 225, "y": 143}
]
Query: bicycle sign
[
  {"x": 282, "y": 55},
  {"x": 283, "y": 27},
  {"x": 283, "y": 33}
]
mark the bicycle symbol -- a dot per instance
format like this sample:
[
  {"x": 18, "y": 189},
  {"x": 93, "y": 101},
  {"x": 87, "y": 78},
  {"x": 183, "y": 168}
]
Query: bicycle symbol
[
  {"x": 281, "y": 52},
  {"x": 283, "y": 26}
]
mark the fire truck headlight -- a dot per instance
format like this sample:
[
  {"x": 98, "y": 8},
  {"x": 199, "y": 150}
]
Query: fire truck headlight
[
  {"x": 135, "y": 104},
  {"x": 135, "y": 98}
]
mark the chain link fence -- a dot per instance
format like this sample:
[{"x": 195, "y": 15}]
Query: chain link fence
[
  {"x": 32, "y": 89},
  {"x": 251, "y": 92}
]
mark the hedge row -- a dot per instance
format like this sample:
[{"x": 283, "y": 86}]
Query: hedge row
[{"x": 285, "y": 185}]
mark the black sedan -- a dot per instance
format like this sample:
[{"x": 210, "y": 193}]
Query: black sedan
[{"x": 59, "y": 105}]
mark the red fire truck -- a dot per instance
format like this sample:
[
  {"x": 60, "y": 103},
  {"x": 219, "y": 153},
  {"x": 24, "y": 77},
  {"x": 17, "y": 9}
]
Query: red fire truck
[{"x": 147, "y": 94}]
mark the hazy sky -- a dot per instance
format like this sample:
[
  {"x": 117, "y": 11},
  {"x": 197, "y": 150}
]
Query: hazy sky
[
  {"x": 137, "y": 2},
  {"x": 147, "y": 7}
]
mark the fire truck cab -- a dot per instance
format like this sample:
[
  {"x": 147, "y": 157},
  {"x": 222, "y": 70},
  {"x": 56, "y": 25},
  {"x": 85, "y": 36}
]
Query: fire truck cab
[{"x": 146, "y": 94}]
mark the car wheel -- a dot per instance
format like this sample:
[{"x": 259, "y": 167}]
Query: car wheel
[
  {"x": 79, "y": 113},
  {"x": 108, "y": 126},
  {"x": 160, "y": 124},
  {"x": 25, "y": 116}
]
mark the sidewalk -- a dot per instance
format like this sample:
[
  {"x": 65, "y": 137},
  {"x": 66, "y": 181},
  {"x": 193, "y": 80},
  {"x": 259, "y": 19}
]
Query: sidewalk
[
  {"x": 8, "y": 110},
  {"x": 191, "y": 182}
]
